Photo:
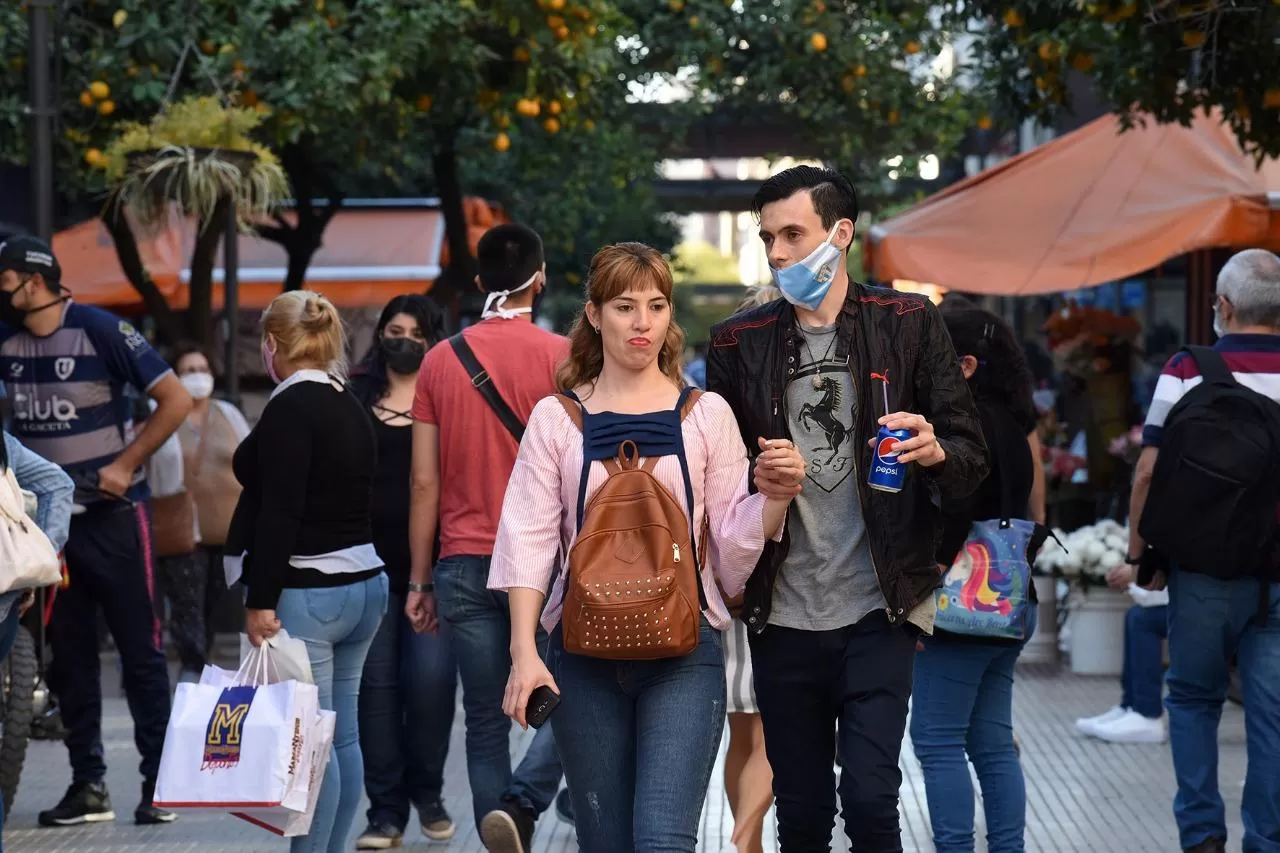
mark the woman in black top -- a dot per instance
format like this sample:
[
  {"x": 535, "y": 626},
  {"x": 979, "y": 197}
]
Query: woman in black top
[
  {"x": 303, "y": 535},
  {"x": 407, "y": 696},
  {"x": 962, "y": 697}
]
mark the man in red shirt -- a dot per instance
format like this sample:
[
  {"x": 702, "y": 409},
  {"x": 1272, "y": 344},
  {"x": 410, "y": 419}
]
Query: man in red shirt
[{"x": 463, "y": 455}]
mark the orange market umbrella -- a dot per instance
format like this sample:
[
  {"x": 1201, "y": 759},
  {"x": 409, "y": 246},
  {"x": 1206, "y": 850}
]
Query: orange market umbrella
[{"x": 1090, "y": 207}]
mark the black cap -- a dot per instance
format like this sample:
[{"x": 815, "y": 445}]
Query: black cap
[{"x": 30, "y": 255}]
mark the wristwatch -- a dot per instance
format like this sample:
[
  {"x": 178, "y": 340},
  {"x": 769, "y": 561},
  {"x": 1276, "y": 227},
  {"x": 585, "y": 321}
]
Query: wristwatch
[
  {"x": 1133, "y": 561},
  {"x": 421, "y": 587}
]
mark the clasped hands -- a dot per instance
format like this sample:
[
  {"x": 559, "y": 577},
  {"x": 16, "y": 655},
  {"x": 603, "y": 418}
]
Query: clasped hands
[{"x": 780, "y": 469}]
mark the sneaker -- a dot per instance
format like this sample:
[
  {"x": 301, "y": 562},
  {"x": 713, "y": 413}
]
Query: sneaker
[
  {"x": 1089, "y": 725},
  {"x": 564, "y": 807},
  {"x": 86, "y": 802},
  {"x": 1211, "y": 845},
  {"x": 1132, "y": 727},
  {"x": 436, "y": 822},
  {"x": 147, "y": 814},
  {"x": 507, "y": 829},
  {"x": 380, "y": 836}
]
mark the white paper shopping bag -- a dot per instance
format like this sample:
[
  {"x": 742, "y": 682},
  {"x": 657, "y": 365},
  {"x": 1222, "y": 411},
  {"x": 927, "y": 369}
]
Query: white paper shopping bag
[
  {"x": 287, "y": 823},
  {"x": 244, "y": 745}
]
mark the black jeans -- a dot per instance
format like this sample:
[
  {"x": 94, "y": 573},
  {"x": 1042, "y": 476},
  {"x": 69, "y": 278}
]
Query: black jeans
[
  {"x": 110, "y": 566},
  {"x": 807, "y": 683}
]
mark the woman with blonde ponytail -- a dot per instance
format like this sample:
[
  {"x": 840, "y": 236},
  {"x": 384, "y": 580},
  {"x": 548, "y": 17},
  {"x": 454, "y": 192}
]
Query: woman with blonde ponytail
[
  {"x": 302, "y": 532},
  {"x": 637, "y": 738}
]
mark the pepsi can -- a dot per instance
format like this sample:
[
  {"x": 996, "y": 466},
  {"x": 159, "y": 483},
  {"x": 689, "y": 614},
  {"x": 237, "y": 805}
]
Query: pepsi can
[{"x": 887, "y": 474}]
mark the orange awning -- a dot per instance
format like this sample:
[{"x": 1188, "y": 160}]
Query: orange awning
[
  {"x": 1090, "y": 207},
  {"x": 368, "y": 257}
]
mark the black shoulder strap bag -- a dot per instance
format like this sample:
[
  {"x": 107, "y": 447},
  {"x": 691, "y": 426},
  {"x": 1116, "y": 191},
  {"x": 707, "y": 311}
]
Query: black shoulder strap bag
[{"x": 483, "y": 383}]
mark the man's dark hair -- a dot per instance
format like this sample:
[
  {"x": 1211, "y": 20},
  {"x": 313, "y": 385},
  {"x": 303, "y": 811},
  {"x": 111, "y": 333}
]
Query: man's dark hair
[
  {"x": 834, "y": 197},
  {"x": 508, "y": 256},
  {"x": 184, "y": 348}
]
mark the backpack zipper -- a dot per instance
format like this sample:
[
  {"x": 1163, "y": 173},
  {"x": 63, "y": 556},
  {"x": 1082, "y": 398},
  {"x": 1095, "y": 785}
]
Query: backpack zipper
[{"x": 675, "y": 549}]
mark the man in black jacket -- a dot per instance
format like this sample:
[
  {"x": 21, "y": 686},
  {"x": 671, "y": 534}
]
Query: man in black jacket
[{"x": 835, "y": 607}]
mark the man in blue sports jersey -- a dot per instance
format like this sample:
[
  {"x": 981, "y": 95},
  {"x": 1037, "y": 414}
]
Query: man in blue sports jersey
[{"x": 67, "y": 367}]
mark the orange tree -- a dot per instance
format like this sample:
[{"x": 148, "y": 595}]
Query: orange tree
[
  {"x": 861, "y": 83},
  {"x": 1167, "y": 58}
]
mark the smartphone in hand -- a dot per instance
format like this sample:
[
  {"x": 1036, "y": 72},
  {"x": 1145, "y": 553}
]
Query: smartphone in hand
[{"x": 542, "y": 702}]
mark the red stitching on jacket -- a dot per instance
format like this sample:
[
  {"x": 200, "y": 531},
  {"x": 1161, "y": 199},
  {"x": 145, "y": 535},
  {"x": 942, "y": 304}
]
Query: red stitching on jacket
[
  {"x": 729, "y": 336},
  {"x": 904, "y": 304}
]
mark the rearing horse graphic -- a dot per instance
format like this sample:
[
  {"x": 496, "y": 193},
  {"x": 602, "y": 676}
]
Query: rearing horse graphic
[{"x": 823, "y": 414}]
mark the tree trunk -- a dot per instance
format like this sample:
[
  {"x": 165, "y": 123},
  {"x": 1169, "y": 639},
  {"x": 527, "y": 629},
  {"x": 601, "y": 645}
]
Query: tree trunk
[
  {"x": 168, "y": 324},
  {"x": 302, "y": 240},
  {"x": 203, "y": 258},
  {"x": 462, "y": 266}
]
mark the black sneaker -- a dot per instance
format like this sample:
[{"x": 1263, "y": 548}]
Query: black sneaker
[
  {"x": 564, "y": 807},
  {"x": 85, "y": 802},
  {"x": 148, "y": 815},
  {"x": 436, "y": 822},
  {"x": 382, "y": 836},
  {"x": 1210, "y": 845},
  {"x": 508, "y": 829}
]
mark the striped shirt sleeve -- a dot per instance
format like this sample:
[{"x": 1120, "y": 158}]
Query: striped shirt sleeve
[{"x": 1178, "y": 377}]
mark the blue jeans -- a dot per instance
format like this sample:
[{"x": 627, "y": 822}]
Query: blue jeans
[
  {"x": 1142, "y": 679},
  {"x": 9, "y": 624},
  {"x": 1210, "y": 622},
  {"x": 337, "y": 624},
  {"x": 479, "y": 620},
  {"x": 638, "y": 740},
  {"x": 407, "y": 699},
  {"x": 962, "y": 705}
]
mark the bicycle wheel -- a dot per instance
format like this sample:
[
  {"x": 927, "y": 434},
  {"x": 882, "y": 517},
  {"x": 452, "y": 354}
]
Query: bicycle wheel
[{"x": 17, "y": 693}]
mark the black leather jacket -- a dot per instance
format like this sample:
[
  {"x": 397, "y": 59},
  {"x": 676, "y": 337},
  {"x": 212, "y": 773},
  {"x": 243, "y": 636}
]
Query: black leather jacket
[{"x": 751, "y": 357}]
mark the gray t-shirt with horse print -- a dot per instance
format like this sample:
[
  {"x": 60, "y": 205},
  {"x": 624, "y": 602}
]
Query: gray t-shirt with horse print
[{"x": 827, "y": 580}]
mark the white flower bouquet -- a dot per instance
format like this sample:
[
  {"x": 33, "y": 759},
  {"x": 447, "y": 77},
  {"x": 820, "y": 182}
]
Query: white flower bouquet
[{"x": 1085, "y": 555}]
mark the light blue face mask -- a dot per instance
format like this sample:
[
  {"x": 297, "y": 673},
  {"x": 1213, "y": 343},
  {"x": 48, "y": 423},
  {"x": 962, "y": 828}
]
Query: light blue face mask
[{"x": 805, "y": 283}]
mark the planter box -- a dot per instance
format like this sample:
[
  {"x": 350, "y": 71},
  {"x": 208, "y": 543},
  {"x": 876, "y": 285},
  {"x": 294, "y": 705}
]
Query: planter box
[
  {"x": 1043, "y": 646},
  {"x": 1097, "y": 631}
]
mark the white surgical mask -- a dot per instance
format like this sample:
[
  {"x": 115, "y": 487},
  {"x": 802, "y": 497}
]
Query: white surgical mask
[
  {"x": 500, "y": 297},
  {"x": 198, "y": 385}
]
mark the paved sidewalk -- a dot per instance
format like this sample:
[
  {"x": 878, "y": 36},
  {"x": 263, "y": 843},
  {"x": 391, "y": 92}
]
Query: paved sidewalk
[{"x": 1083, "y": 795}]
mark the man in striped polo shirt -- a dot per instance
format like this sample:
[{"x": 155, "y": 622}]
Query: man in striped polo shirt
[
  {"x": 67, "y": 368},
  {"x": 1212, "y": 621}
]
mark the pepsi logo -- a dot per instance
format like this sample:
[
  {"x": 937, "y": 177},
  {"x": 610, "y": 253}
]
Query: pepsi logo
[{"x": 887, "y": 450}]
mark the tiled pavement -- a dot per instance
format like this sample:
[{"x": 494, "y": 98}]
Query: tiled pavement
[{"x": 1083, "y": 795}]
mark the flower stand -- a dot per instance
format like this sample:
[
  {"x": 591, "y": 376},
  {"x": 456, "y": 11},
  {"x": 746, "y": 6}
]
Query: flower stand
[{"x": 1097, "y": 631}]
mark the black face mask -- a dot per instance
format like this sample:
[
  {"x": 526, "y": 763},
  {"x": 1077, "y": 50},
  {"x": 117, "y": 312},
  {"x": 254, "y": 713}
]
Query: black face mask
[
  {"x": 16, "y": 317},
  {"x": 403, "y": 355}
]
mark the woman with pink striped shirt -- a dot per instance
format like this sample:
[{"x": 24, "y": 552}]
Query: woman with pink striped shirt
[{"x": 637, "y": 738}]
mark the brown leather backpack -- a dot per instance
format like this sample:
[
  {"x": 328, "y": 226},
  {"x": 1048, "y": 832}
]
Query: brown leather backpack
[{"x": 633, "y": 590}]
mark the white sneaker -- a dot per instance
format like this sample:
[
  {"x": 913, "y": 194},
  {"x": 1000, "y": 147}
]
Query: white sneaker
[
  {"x": 1089, "y": 725},
  {"x": 1133, "y": 728}
]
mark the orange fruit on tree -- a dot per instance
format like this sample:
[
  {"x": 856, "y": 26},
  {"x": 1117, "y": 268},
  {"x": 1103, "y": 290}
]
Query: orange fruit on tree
[
  {"x": 423, "y": 103},
  {"x": 1048, "y": 51},
  {"x": 892, "y": 117},
  {"x": 911, "y": 48},
  {"x": 554, "y": 22},
  {"x": 675, "y": 5},
  {"x": 249, "y": 98},
  {"x": 694, "y": 22},
  {"x": 551, "y": 125},
  {"x": 99, "y": 90},
  {"x": 208, "y": 48},
  {"x": 521, "y": 54},
  {"x": 848, "y": 82},
  {"x": 984, "y": 122},
  {"x": 528, "y": 107},
  {"x": 1082, "y": 62},
  {"x": 1013, "y": 18},
  {"x": 554, "y": 107},
  {"x": 860, "y": 71},
  {"x": 501, "y": 121},
  {"x": 86, "y": 99},
  {"x": 818, "y": 41},
  {"x": 95, "y": 158},
  {"x": 1194, "y": 38},
  {"x": 589, "y": 125},
  {"x": 555, "y": 4},
  {"x": 562, "y": 33},
  {"x": 106, "y": 108},
  {"x": 118, "y": 19}
]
